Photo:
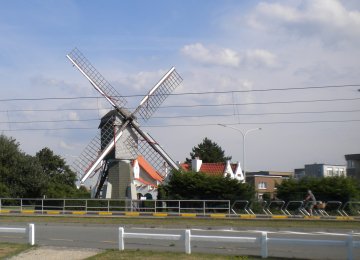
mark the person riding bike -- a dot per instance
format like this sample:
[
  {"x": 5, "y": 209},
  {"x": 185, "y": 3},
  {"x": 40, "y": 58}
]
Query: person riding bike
[{"x": 312, "y": 201}]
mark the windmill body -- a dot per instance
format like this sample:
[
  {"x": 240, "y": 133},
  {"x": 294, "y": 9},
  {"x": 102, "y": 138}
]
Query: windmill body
[
  {"x": 113, "y": 153},
  {"x": 108, "y": 124}
]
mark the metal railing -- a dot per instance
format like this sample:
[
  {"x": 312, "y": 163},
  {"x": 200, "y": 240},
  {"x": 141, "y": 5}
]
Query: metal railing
[
  {"x": 112, "y": 205},
  {"x": 200, "y": 207}
]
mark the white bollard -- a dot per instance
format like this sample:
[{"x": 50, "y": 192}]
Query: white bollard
[
  {"x": 31, "y": 230},
  {"x": 349, "y": 242},
  {"x": 263, "y": 245},
  {"x": 121, "y": 239},
  {"x": 187, "y": 241}
]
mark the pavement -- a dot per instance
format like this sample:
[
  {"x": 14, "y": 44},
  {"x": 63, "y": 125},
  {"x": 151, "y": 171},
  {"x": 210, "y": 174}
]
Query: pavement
[{"x": 56, "y": 253}]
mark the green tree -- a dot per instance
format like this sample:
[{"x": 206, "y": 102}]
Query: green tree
[
  {"x": 25, "y": 176},
  {"x": 325, "y": 189},
  {"x": 19, "y": 173},
  {"x": 60, "y": 178},
  {"x": 199, "y": 186},
  {"x": 209, "y": 152}
]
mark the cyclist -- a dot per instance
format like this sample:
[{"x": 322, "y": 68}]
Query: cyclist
[{"x": 312, "y": 201}]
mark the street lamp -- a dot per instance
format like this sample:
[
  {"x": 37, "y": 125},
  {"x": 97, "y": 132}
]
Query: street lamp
[{"x": 244, "y": 137}]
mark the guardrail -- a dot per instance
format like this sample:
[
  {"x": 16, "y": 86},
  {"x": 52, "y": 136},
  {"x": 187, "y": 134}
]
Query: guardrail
[
  {"x": 261, "y": 241},
  {"x": 116, "y": 205},
  {"x": 30, "y": 230},
  {"x": 199, "y": 207}
]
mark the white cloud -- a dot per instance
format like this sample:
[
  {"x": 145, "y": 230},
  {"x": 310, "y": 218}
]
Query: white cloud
[
  {"x": 141, "y": 81},
  {"x": 260, "y": 58},
  {"x": 64, "y": 145},
  {"x": 228, "y": 57},
  {"x": 73, "y": 115},
  {"x": 330, "y": 20},
  {"x": 214, "y": 56}
]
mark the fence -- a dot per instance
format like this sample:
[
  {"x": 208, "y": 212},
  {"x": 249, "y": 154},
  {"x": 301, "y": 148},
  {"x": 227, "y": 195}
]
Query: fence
[
  {"x": 30, "y": 230},
  {"x": 201, "y": 207},
  {"x": 262, "y": 241},
  {"x": 112, "y": 205}
]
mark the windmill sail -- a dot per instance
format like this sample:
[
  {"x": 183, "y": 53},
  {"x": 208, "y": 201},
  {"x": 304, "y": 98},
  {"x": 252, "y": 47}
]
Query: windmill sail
[
  {"x": 153, "y": 153},
  {"x": 156, "y": 96},
  {"x": 96, "y": 79}
]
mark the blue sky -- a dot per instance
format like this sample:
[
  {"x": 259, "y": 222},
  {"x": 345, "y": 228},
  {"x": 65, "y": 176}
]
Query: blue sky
[{"x": 215, "y": 46}]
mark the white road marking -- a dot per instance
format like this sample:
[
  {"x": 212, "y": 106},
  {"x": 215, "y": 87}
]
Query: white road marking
[
  {"x": 61, "y": 239},
  {"x": 109, "y": 242}
]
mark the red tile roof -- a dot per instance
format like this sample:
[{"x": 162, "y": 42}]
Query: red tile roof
[
  {"x": 214, "y": 169},
  {"x": 149, "y": 169}
]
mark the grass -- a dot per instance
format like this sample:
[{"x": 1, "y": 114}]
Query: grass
[
  {"x": 10, "y": 249},
  {"x": 189, "y": 222},
  {"x": 151, "y": 255}
]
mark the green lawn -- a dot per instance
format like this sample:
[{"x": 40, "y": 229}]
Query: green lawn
[
  {"x": 10, "y": 249},
  {"x": 151, "y": 255}
]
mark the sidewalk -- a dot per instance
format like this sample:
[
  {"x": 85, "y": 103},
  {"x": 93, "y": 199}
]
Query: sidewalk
[{"x": 56, "y": 253}]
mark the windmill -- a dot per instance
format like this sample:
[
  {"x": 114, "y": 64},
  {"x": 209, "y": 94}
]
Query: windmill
[{"x": 121, "y": 139}]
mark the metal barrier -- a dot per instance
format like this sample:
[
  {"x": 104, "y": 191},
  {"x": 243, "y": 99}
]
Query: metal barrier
[
  {"x": 295, "y": 207},
  {"x": 200, "y": 207},
  {"x": 112, "y": 205},
  {"x": 277, "y": 205},
  {"x": 332, "y": 207},
  {"x": 352, "y": 207},
  {"x": 241, "y": 206}
]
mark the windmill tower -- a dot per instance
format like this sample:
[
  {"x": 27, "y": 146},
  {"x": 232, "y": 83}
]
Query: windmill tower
[{"x": 121, "y": 139}]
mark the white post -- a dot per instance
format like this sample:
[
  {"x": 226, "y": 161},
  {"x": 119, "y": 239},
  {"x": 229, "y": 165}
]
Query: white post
[
  {"x": 349, "y": 242},
  {"x": 121, "y": 239},
  {"x": 263, "y": 245},
  {"x": 187, "y": 241},
  {"x": 31, "y": 230}
]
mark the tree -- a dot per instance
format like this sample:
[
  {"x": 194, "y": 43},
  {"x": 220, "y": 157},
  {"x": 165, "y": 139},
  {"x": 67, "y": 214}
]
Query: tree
[
  {"x": 325, "y": 189},
  {"x": 60, "y": 178},
  {"x": 26, "y": 176},
  {"x": 199, "y": 186},
  {"x": 19, "y": 173},
  {"x": 209, "y": 152}
]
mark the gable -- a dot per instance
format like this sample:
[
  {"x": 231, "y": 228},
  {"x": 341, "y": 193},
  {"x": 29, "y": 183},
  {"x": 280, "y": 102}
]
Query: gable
[{"x": 148, "y": 169}]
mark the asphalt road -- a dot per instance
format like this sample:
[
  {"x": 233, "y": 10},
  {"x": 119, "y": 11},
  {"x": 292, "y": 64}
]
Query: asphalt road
[{"x": 106, "y": 237}]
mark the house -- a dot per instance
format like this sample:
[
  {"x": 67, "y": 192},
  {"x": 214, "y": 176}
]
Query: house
[
  {"x": 271, "y": 173},
  {"x": 264, "y": 182},
  {"x": 320, "y": 170},
  {"x": 233, "y": 170},
  {"x": 299, "y": 173},
  {"x": 353, "y": 165}
]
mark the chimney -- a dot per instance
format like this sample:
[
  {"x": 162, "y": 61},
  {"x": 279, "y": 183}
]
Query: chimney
[{"x": 196, "y": 164}]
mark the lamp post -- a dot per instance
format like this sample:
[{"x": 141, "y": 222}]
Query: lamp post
[{"x": 243, "y": 137}]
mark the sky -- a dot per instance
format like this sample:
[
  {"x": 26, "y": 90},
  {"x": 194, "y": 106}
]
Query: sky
[{"x": 290, "y": 68}]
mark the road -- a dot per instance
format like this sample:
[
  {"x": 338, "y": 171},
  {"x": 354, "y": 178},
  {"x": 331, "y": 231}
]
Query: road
[{"x": 106, "y": 237}]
